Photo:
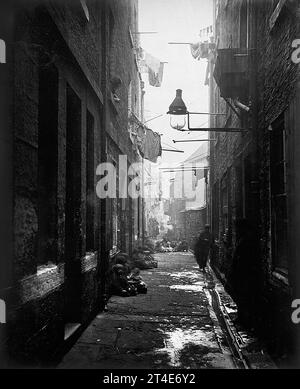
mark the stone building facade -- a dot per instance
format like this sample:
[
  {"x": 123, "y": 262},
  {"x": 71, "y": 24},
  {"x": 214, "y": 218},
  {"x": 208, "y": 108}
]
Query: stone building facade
[
  {"x": 254, "y": 173},
  {"x": 70, "y": 79}
]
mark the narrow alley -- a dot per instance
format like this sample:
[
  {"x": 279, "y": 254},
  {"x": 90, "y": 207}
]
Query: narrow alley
[
  {"x": 141, "y": 142},
  {"x": 175, "y": 325}
]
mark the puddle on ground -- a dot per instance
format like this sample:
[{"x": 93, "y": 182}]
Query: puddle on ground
[
  {"x": 186, "y": 274},
  {"x": 189, "y": 277},
  {"x": 178, "y": 343},
  {"x": 196, "y": 287},
  {"x": 182, "y": 275}
]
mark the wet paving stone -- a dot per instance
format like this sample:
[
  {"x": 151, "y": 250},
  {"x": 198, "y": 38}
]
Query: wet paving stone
[{"x": 169, "y": 327}]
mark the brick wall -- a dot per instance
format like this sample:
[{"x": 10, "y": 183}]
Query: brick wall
[
  {"x": 123, "y": 65},
  {"x": 58, "y": 36},
  {"x": 242, "y": 160},
  {"x": 277, "y": 76}
]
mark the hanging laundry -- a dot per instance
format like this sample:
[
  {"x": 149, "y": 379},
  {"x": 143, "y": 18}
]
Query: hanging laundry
[
  {"x": 150, "y": 144},
  {"x": 207, "y": 74},
  {"x": 206, "y": 32},
  {"x": 155, "y": 69},
  {"x": 200, "y": 50},
  {"x": 194, "y": 180},
  {"x": 200, "y": 174},
  {"x": 155, "y": 79},
  {"x": 147, "y": 142},
  {"x": 206, "y": 176}
]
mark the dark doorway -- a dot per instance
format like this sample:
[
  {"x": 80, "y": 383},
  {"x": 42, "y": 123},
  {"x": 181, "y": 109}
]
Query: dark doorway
[{"x": 47, "y": 165}]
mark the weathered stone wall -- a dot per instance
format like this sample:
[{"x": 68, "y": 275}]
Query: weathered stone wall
[
  {"x": 58, "y": 36},
  {"x": 244, "y": 159},
  {"x": 276, "y": 81},
  {"x": 277, "y": 85},
  {"x": 122, "y": 60}
]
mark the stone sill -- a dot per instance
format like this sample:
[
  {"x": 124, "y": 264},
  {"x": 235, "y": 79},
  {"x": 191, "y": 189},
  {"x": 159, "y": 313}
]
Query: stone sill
[
  {"x": 281, "y": 278},
  {"x": 89, "y": 262},
  {"x": 113, "y": 252},
  {"x": 51, "y": 268},
  {"x": 50, "y": 278},
  {"x": 46, "y": 280},
  {"x": 71, "y": 329}
]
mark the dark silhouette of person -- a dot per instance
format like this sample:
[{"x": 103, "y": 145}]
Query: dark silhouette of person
[
  {"x": 202, "y": 247},
  {"x": 244, "y": 277}
]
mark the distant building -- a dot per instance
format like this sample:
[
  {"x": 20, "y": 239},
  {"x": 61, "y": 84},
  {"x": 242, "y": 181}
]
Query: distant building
[{"x": 189, "y": 196}]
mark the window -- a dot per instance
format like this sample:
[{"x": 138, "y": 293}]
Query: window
[
  {"x": 73, "y": 174},
  {"x": 90, "y": 183},
  {"x": 244, "y": 25},
  {"x": 278, "y": 194},
  {"x": 47, "y": 165}
]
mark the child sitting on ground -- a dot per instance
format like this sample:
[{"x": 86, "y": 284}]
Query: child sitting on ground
[
  {"x": 119, "y": 282},
  {"x": 136, "y": 280}
]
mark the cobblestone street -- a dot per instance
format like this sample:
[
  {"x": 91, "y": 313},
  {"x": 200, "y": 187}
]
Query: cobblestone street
[{"x": 173, "y": 326}]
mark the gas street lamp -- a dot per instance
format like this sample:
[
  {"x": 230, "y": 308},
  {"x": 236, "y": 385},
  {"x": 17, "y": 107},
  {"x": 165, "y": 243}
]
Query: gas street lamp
[{"x": 178, "y": 114}]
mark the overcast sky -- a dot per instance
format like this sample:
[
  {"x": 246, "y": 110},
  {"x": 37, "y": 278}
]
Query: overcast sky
[{"x": 175, "y": 20}]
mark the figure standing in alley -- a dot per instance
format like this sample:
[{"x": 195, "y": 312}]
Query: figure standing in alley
[
  {"x": 244, "y": 277},
  {"x": 202, "y": 247}
]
